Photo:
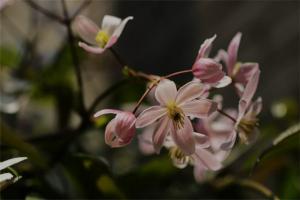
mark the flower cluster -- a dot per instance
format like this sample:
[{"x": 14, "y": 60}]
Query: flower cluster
[{"x": 193, "y": 126}]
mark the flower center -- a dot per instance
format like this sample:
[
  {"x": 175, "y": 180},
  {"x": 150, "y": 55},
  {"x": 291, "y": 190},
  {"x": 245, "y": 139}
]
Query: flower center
[
  {"x": 247, "y": 125},
  {"x": 179, "y": 157},
  {"x": 102, "y": 38},
  {"x": 176, "y": 114},
  {"x": 236, "y": 69}
]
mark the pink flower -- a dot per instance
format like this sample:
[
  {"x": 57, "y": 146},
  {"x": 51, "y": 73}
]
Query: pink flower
[
  {"x": 173, "y": 112},
  {"x": 208, "y": 70},
  {"x": 240, "y": 72},
  {"x": 120, "y": 130},
  {"x": 99, "y": 38}
]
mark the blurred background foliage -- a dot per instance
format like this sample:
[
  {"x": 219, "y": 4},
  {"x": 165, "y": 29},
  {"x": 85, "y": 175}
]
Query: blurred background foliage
[{"x": 39, "y": 104}]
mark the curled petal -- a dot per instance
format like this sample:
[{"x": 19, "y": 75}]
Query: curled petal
[
  {"x": 149, "y": 116},
  {"x": 199, "y": 108},
  {"x": 121, "y": 27},
  {"x": 91, "y": 49},
  {"x": 86, "y": 29},
  {"x": 208, "y": 70},
  {"x": 160, "y": 133},
  {"x": 248, "y": 94},
  {"x": 183, "y": 137},
  {"x": 11, "y": 162},
  {"x": 189, "y": 91},
  {"x": 233, "y": 52},
  {"x": 125, "y": 126},
  {"x": 165, "y": 91},
  {"x": 106, "y": 111},
  {"x": 245, "y": 72},
  {"x": 221, "y": 56},
  {"x": 206, "y": 47},
  {"x": 110, "y": 23}
]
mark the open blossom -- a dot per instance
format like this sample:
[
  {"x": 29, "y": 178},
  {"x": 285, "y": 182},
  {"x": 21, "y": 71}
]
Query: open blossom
[
  {"x": 208, "y": 70},
  {"x": 173, "y": 112},
  {"x": 120, "y": 130},
  {"x": 6, "y": 164},
  {"x": 99, "y": 39},
  {"x": 241, "y": 73}
]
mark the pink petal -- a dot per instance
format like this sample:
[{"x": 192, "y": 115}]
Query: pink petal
[
  {"x": 161, "y": 133},
  {"x": 86, "y": 28},
  {"x": 145, "y": 141},
  {"x": 199, "y": 108},
  {"x": 208, "y": 159},
  {"x": 257, "y": 106},
  {"x": 91, "y": 49},
  {"x": 248, "y": 94},
  {"x": 205, "y": 47},
  {"x": 106, "y": 111},
  {"x": 110, "y": 132},
  {"x": 189, "y": 91},
  {"x": 229, "y": 143},
  {"x": 183, "y": 137},
  {"x": 199, "y": 172},
  {"x": 149, "y": 116},
  {"x": 245, "y": 72},
  {"x": 233, "y": 52},
  {"x": 165, "y": 92},
  {"x": 201, "y": 140},
  {"x": 221, "y": 56},
  {"x": 110, "y": 23},
  {"x": 125, "y": 126}
]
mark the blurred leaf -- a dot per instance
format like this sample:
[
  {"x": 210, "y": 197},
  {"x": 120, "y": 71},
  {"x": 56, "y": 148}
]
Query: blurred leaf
[
  {"x": 12, "y": 139},
  {"x": 91, "y": 176},
  {"x": 277, "y": 142},
  {"x": 9, "y": 57}
]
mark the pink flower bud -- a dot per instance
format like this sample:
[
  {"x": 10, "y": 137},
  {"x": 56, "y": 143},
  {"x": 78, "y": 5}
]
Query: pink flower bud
[{"x": 120, "y": 130}]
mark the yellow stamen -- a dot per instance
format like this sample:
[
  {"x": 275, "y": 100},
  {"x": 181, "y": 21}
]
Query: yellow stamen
[
  {"x": 236, "y": 69},
  {"x": 102, "y": 38},
  {"x": 178, "y": 155},
  {"x": 176, "y": 114},
  {"x": 247, "y": 126}
]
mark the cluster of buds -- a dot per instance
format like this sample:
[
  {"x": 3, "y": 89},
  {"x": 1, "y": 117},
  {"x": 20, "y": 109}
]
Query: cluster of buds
[{"x": 188, "y": 122}]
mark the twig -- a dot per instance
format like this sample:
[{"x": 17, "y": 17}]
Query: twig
[
  {"x": 71, "y": 38},
  {"x": 225, "y": 114},
  {"x": 46, "y": 12},
  {"x": 105, "y": 94},
  {"x": 118, "y": 57}
]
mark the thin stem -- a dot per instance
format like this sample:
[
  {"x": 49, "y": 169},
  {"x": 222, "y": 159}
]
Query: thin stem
[
  {"x": 104, "y": 94},
  {"x": 74, "y": 55},
  {"x": 144, "y": 95},
  {"x": 178, "y": 73},
  {"x": 46, "y": 12},
  {"x": 82, "y": 7},
  {"x": 118, "y": 57},
  {"x": 226, "y": 115}
]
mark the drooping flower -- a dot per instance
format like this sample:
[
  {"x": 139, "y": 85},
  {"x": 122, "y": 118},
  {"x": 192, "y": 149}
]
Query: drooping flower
[
  {"x": 173, "y": 112},
  {"x": 99, "y": 39},
  {"x": 207, "y": 69},
  {"x": 120, "y": 130},
  {"x": 8, "y": 163},
  {"x": 240, "y": 72},
  {"x": 203, "y": 159}
]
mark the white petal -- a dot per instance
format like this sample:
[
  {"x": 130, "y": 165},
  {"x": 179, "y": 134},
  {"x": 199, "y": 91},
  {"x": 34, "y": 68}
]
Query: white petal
[
  {"x": 199, "y": 108},
  {"x": 10, "y": 162},
  {"x": 110, "y": 23},
  {"x": 86, "y": 29},
  {"x": 5, "y": 177},
  {"x": 226, "y": 80},
  {"x": 208, "y": 159},
  {"x": 91, "y": 49},
  {"x": 121, "y": 27},
  {"x": 165, "y": 91},
  {"x": 160, "y": 133}
]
